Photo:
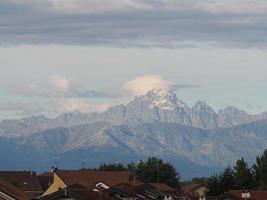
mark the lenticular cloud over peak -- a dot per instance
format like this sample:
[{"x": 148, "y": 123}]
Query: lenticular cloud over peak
[{"x": 142, "y": 84}]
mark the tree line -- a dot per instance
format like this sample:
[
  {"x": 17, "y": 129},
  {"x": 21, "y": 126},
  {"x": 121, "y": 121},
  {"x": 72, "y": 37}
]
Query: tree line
[
  {"x": 152, "y": 170},
  {"x": 240, "y": 177}
]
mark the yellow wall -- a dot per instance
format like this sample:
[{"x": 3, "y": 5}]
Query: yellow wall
[
  {"x": 57, "y": 184},
  {"x": 200, "y": 191}
]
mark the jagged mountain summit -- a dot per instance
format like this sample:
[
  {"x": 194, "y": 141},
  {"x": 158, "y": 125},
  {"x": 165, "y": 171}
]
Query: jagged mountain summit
[{"x": 156, "y": 106}]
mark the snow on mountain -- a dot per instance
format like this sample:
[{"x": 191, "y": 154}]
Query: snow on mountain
[{"x": 157, "y": 106}]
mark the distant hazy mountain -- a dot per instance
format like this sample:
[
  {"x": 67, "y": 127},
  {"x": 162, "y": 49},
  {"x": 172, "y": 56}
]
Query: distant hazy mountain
[
  {"x": 231, "y": 116},
  {"x": 196, "y": 139},
  {"x": 156, "y": 106},
  {"x": 193, "y": 151}
]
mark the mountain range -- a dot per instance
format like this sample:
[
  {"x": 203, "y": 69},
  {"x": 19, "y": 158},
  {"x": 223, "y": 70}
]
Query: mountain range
[{"x": 197, "y": 140}]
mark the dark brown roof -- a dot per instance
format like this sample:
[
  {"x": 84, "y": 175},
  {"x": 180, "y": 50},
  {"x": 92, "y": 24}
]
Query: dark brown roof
[
  {"x": 189, "y": 188},
  {"x": 207, "y": 197},
  {"x": 79, "y": 192},
  {"x": 255, "y": 195},
  {"x": 12, "y": 191},
  {"x": 88, "y": 178},
  {"x": 162, "y": 187},
  {"x": 124, "y": 190},
  {"x": 25, "y": 180},
  {"x": 45, "y": 179}
]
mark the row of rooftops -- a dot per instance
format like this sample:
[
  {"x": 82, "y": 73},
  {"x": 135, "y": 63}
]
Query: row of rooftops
[{"x": 99, "y": 185}]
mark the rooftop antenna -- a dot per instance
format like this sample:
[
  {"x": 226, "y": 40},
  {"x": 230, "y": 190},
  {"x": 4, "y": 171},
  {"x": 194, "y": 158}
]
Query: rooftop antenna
[
  {"x": 133, "y": 175},
  {"x": 158, "y": 173},
  {"x": 83, "y": 164}
]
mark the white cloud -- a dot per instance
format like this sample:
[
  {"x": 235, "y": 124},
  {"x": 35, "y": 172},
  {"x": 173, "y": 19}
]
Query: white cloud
[
  {"x": 60, "y": 82},
  {"x": 59, "y": 86},
  {"x": 103, "y": 6},
  {"x": 75, "y": 104},
  {"x": 21, "y": 108},
  {"x": 142, "y": 84},
  {"x": 233, "y": 6},
  {"x": 88, "y": 6},
  {"x": 138, "y": 23}
]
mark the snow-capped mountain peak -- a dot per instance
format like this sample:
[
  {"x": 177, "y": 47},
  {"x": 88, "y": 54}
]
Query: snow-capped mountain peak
[{"x": 162, "y": 99}]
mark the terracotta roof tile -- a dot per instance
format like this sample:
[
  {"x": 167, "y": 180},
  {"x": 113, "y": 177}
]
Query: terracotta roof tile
[
  {"x": 12, "y": 191},
  {"x": 25, "y": 180},
  {"x": 88, "y": 178}
]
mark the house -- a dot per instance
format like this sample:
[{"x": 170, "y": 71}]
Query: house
[
  {"x": 11, "y": 192},
  {"x": 87, "y": 178},
  {"x": 194, "y": 189},
  {"x": 46, "y": 180},
  {"x": 151, "y": 192},
  {"x": 124, "y": 191},
  {"x": 164, "y": 188},
  {"x": 77, "y": 192},
  {"x": 200, "y": 198},
  {"x": 24, "y": 180},
  {"x": 243, "y": 195}
]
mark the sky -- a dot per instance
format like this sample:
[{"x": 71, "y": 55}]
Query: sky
[{"x": 60, "y": 56}]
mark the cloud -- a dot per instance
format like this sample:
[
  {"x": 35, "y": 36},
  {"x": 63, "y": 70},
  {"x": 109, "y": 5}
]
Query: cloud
[
  {"x": 75, "y": 104},
  {"x": 52, "y": 108},
  {"x": 21, "y": 108},
  {"x": 60, "y": 86},
  {"x": 142, "y": 84},
  {"x": 135, "y": 23},
  {"x": 87, "y": 6},
  {"x": 104, "y": 6},
  {"x": 60, "y": 82}
]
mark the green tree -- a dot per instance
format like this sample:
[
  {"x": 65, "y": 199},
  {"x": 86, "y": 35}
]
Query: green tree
[
  {"x": 201, "y": 180},
  {"x": 218, "y": 184},
  {"x": 227, "y": 179},
  {"x": 112, "y": 167},
  {"x": 260, "y": 171},
  {"x": 214, "y": 185},
  {"x": 243, "y": 178},
  {"x": 155, "y": 170}
]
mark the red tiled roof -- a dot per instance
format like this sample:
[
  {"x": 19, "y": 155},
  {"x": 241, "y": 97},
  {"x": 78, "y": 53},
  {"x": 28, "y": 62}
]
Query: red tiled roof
[
  {"x": 88, "y": 178},
  {"x": 255, "y": 195},
  {"x": 25, "y": 180},
  {"x": 12, "y": 191}
]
